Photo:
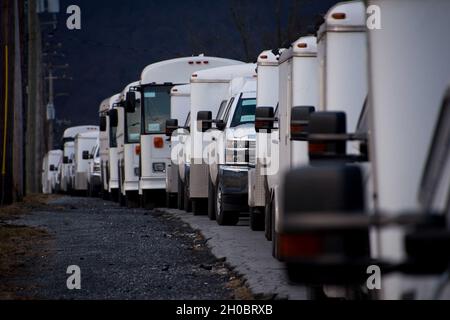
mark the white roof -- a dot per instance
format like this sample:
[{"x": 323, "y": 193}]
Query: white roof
[
  {"x": 268, "y": 58},
  {"x": 178, "y": 71},
  {"x": 114, "y": 99},
  {"x": 352, "y": 17},
  {"x": 55, "y": 152},
  {"x": 104, "y": 106},
  {"x": 181, "y": 91},
  {"x": 72, "y": 132},
  {"x": 88, "y": 135},
  {"x": 242, "y": 85},
  {"x": 303, "y": 47},
  {"x": 225, "y": 74}
]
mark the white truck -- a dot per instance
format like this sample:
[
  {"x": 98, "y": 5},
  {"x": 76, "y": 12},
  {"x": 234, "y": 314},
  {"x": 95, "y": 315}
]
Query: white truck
[
  {"x": 180, "y": 101},
  {"x": 404, "y": 230},
  {"x": 50, "y": 171},
  {"x": 209, "y": 92},
  {"x": 94, "y": 171},
  {"x": 231, "y": 151},
  {"x": 67, "y": 171},
  {"x": 298, "y": 98},
  {"x": 108, "y": 148},
  {"x": 84, "y": 143},
  {"x": 128, "y": 148},
  {"x": 266, "y": 96},
  {"x": 156, "y": 83}
]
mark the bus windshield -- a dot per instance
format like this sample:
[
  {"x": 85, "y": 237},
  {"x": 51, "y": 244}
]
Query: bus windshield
[
  {"x": 156, "y": 108},
  {"x": 134, "y": 124},
  {"x": 244, "y": 113}
]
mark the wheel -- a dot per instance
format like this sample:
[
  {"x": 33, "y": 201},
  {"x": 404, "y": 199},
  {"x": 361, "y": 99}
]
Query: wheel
[
  {"x": 268, "y": 218},
  {"x": 187, "y": 202},
  {"x": 257, "y": 219},
  {"x": 180, "y": 195},
  {"x": 132, "y": 199},
  {"x": 224, "y": 218},
  {"x": 211, "y": 201},
  {"x": 114, "y": 195},
  {"x": 122, "y": 199},
  {"x": 171, "y": 200},
  {"x": 199, "y": 207}
]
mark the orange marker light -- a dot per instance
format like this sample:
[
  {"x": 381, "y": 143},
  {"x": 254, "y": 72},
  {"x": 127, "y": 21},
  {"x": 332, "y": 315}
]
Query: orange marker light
[
  {"x": 137, "y": 149},
  {"x": 339, "y": 16},
  {"x": 302, "y": 45},
  {"x": 158, "y": 142}
]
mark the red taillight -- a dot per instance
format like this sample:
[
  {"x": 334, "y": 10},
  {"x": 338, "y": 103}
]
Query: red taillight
[
  {"x": 137, "y": 149},
  {"x": 206, "y": 62},
  {"x": 339, "y": 16},
  {"x": 198, "y": 62},
  {"x": 317, "y": 148},
  {"x": 175, "y": 90},
  {"x": 263, "y": 57},
  {"x": 194, "y": 75},
  {"x": 158, "y": 142},
  {"x": 299, "y": 246},
  {"x": 302, "y": 45},
  {"x": 191, "y": 62}
]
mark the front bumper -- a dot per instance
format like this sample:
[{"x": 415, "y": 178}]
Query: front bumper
[{"x": 234, "y": 184}]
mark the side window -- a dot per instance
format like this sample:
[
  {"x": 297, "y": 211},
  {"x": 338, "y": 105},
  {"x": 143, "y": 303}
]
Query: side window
[
  {"x": 227, "y": 112},
  {"x": 221, "y": 109},
  {"x": 188, "y": 120}
]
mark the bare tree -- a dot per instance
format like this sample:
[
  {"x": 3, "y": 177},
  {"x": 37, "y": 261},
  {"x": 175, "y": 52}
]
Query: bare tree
[{"x": 240, "y": 20}]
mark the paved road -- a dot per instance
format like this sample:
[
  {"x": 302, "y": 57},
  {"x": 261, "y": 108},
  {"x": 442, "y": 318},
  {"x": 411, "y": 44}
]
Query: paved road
[{"x": 122, "y": 253}]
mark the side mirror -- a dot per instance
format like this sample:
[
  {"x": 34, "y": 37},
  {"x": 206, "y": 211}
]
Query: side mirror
[
  {"x": 113, "y": 118},
  {"x": 220, "y": 125},
  {"x": 171, "y": 126},
  {"x": 86, "y": 155},
  {"x": 66, "y": 160},
  {"x": 204, "y": 120},
  {"x": 130, "y": 102},
  {"x": 264, "y": 119},
  {"x": 322, "y": 123},
  {"x": 299, "y": 122},
  {"x": 52, "y": 167},
  {"x": 102, "y": 123}
]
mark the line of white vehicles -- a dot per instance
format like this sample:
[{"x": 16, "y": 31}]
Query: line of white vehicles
[{"x": 338, "y": 148}]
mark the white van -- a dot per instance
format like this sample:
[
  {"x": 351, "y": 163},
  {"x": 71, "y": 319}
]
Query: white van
[
  {"x": 94, "y": 171},
  {"x": 108, "y": 147},
  {"x": 67, "y": 171},
  {"x": 128, "y": 148},
  {"x": 50, "y": 171},
  {"x": 267, "y": 96},
  {"x": 209, "y": 92},
  {"x": 180, "y": 101},
  {"x": 156, "y": 83},
  {"x": 84, "y": 143},
  {"x": 231, "y": 151}
]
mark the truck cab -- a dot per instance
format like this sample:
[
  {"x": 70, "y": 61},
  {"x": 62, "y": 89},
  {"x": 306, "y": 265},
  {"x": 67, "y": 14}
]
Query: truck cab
[
  {"x": 232, "y": 150},
  {"x": 157, "y": 81}
]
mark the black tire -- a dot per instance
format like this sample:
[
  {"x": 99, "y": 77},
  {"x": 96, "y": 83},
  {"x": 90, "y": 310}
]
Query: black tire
[
  {"x": 133, "y": 200},
  {"x": 211, "y": 201},
  {"x": 180, "y": 195},
  {"x": 114, "y": 195},
  {"x": 199, "y": 207},
  {"x": 268, "y": 218},
  {"x": 275, "y": 253},
  {"x": 187, "y": 201},
  {"x": 224, "y": 218},
  {"x": 257, "y": 219}
]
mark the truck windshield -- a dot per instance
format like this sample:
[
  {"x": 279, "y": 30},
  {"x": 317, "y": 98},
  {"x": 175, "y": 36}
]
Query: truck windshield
[
  {"x": 244, "y": 113},
  {"x": 134, "y": 124},
  {"x": 156, "y": 108}
]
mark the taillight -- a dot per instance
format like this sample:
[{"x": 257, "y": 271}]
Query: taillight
[
  {"x": 137, "y": 149},
  {"x": 317, "y": 148},
  {"x": 302, "y": 45},
  {"x": 299, "y": 246},
  {"x": 263, "y": 57},
  {"x": 158, "y": 142}
]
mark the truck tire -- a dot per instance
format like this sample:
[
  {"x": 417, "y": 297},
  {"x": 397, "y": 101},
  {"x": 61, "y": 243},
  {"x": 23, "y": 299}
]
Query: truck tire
[
  {"x": 122, "y": 199},
  {"x": 199, "y": 207},
  {"x": 211, "y": 201},
  {"x": 187, "y": 202},
  {"x": 257, "y": 219},
  {"x": 180, "y": 195},
  {"x": 224, "y": 218},
  {"x": 147, "y": 201}
]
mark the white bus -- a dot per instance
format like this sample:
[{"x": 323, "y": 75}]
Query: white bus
[
  {"x": 51, "y": 167},
  {"x": 84, "y": 143},
  {"x": 156, "y": 83},
  {"x": 128, "y": 148},
  {"x": 67, "y": 171}
]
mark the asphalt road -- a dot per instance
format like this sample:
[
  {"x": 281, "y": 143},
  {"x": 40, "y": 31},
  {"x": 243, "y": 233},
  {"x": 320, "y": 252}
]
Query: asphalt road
[{"x": 122, "y": 254}]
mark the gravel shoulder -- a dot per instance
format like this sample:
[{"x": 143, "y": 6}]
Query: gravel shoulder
[{"x": 122, "y": 254}]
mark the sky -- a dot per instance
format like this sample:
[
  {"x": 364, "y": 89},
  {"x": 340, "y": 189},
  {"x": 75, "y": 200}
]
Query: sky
[{"x": 119, "y": 38}]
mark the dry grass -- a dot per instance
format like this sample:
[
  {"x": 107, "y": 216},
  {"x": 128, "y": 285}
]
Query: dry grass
[
  {"x": 240, "y": 289},
  {"x": 19, "y": 243}
]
